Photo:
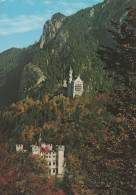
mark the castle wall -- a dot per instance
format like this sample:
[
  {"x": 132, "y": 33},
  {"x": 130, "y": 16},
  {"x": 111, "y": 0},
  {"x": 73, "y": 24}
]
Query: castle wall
[
  {"x": 64, "y": 91},
  {"x": 60, "y": 160},
  {"x": 51, "y": 160},
  {"x": 35, "y": 149},
  {"x": 78, "y": 87},
  {"x": 70, "y": 90},
  {"x": 55, "y": 160}
]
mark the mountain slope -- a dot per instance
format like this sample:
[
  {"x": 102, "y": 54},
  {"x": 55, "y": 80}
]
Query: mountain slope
[{"x": 66, "y": 41}]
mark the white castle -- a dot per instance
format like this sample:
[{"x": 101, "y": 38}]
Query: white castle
[
  {"x": 74, "y": 86},
  {"x": 55, "y": 159}
]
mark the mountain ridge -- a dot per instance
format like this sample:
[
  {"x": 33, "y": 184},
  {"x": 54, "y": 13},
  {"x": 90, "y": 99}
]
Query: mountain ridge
[{"x": 50, "y": 28}]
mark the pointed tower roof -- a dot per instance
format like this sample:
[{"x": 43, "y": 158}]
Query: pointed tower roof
[{"x": 71, "y": 70}]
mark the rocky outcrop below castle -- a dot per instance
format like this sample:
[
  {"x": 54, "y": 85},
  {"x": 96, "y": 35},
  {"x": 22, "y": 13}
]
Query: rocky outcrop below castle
[
  {"x": 32, "y": 77},
  {"x": 51, "y": 29}
]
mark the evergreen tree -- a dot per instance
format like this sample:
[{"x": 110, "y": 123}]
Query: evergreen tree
[{"x": 111, "y": 164}]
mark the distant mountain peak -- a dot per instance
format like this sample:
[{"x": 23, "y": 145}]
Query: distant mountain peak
[
  {"x": 58, "y": 16},
  {"x": 51, "y": 28}
]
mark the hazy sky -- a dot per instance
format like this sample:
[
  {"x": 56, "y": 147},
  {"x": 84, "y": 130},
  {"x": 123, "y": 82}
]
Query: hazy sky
[{"x": 21, "y": 21}]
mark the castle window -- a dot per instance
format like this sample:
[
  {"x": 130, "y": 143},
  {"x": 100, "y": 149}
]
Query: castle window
[
  {"x": 78, "y": 88},
  {"x": 54, "y": 171},
  {"x": 53, "y": 163},
  {"x": 49, "y": 164}
]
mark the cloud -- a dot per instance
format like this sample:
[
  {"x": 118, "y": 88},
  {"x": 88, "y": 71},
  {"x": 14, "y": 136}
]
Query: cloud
[
  {"x": 69, "y": 12},
  {"x": 24, "y": 23},
  {"x": 80, "y": 5},
  {"x": 47, "y": 2},
  {"x": 63, "y": 3},
  {"x": 11, "y": 0},
  {"x": 69, "y": 4},
  {"x": 19, "y": 24},
  {"x": 2, "y": 1},
  {"x": 67, "y": 7},
  {"x": 31, "y": 2}
]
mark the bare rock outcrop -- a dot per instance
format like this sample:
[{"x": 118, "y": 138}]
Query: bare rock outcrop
[{"x": 51, "y": 29}]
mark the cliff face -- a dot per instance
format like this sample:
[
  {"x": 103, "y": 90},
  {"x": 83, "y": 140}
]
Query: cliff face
[
  {"x": 32, "y": 77},
  {"x": 51, "y": 28}
]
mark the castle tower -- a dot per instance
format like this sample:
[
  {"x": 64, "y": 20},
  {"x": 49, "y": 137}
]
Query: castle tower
[
  {"x": 69, "y": 89},
  {"x": 61, "y": 149},
  {"x": 19, "y": 147},
  {"x": 65, "y": 83},
  {"x": 64, "y": 91},
  {"x": 70, "y": 75},
  {"x": 40, "y": 138}
]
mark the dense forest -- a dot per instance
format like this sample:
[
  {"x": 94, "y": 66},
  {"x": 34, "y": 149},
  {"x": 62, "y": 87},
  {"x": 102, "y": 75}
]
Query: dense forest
[{"x": 97, "y": 129}]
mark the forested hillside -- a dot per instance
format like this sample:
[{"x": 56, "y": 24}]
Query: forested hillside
[
  {"x": 12, "y": 63},
  {"x": 97, "y": 128}
]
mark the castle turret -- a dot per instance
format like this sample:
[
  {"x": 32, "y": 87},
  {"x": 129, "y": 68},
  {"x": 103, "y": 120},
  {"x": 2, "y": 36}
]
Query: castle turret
[
  {"x": 40, "y": 138},
  {"x": 64, "y": 91},
  {"x": 19, "y": 147},
  {"x": 61, "y": 149},
  {"x": 65, "y": 84},
  {"x": 70, "y": 75}
]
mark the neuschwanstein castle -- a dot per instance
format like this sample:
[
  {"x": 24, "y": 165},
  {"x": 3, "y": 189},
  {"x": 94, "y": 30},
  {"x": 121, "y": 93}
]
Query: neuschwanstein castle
[
  {"x": 55, "y": 159},
  {"x": 74, "y": 86}
]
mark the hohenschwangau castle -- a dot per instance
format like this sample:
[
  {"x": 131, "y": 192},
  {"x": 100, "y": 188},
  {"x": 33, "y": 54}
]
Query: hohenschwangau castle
[
  {"x": 54, "y": 158},
  {"x": 74, "y": 86}
]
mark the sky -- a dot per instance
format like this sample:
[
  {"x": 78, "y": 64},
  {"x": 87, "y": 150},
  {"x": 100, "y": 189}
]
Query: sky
[{"x": 22, "y": 21}]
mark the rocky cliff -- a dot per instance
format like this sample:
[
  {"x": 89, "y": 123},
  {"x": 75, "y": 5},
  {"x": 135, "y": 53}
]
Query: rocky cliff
[
  {"x": 32, "y": 77},
  {"x": 51, "y": 29}
]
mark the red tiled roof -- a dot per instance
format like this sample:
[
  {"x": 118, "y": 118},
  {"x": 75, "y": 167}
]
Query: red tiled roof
[
  {"x": 46, "y": 149},
  {"x": 51, "y": 138}
]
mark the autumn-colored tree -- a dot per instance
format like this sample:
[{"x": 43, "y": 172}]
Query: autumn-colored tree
[
  {"x": 24, "y": 173},
  {"x": 19, "y": 108},
  {"x": 45, "y": 98},
  {"x": 7, "y": 173},
  {"x": 111, "y": 164},
  {"x": 121, "y": 59}
]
